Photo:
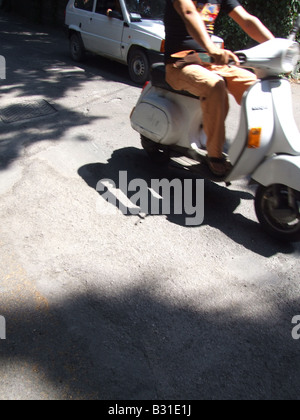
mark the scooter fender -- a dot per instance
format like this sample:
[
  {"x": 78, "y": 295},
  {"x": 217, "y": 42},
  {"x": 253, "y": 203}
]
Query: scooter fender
[{"x": 282, "y": 169}]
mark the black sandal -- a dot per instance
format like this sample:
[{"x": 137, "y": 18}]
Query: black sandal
[{"x": 219, "y": 166}]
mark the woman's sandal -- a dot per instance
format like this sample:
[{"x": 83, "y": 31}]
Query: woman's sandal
[{"x": 219, "y": 166}]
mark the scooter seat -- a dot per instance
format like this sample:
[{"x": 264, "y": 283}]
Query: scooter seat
[{"x": 158, "y": 79}]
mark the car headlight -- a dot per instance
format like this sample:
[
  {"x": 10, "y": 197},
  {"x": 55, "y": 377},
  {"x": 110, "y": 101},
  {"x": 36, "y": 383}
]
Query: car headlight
[{"x": 290, "y": 58}]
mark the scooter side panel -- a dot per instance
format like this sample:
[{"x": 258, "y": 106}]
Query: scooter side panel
[
  {"x": 168, "y": 118},
  {"x": 284, "y": 170},
  {"x": 150, "y": 121},
  {"x": 187, "y": 124},
  {"x": 254, "y": 137}
]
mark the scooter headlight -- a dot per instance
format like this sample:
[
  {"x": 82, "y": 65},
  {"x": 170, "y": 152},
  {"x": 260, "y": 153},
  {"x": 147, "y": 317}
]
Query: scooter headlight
[{"x": 290, "y": 58}]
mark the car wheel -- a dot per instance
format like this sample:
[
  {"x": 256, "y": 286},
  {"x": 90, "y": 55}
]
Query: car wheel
[
  {"x": 76, "y": 47},
  {"x": 139, "y": 67}
]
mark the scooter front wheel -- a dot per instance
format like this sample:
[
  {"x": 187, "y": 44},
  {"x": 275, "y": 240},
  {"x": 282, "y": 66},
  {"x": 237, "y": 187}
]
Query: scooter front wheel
[
  {"x": 278, "y": 210},
  {"x": 155, "y": 151}
]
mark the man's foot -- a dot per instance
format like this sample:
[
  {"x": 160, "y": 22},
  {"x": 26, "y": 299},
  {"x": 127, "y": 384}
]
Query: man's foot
[{"x": 219, "y": 166}]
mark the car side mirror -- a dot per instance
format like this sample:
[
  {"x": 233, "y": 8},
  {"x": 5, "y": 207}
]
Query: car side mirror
[{"x": 135, "y": 17}]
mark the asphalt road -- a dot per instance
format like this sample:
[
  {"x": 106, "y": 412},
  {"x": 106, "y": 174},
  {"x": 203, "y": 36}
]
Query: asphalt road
[{"x": 114, "y": 306}]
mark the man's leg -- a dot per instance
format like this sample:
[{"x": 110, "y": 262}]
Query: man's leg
[{"x": 211, "y": 88}]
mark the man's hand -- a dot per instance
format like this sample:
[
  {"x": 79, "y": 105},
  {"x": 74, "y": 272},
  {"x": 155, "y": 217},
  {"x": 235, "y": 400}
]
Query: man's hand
[{"x": 222, "y": 57}]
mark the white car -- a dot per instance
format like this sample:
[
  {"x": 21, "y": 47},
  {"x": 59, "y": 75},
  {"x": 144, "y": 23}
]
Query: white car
[{"x": 128, "y": 31}]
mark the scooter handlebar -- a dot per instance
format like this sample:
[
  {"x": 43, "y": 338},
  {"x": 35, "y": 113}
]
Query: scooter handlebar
[
  {"x": 242, "y": 58},
  {"x": 297, "y": 25}
]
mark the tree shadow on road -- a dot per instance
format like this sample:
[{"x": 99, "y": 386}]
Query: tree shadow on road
[
  {"x": 134, "y": 345},
  {"x": 39, "y": 69},
  {"x": 220, "y": 203},
  {"x": 15, "y": 139}
]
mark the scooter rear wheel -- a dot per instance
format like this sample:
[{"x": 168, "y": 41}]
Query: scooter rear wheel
[
  {"x": 155, "y": 151},
  {"x": 278, "y": 210}
]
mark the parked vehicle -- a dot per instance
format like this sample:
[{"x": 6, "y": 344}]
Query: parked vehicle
[
  {"x": 267, "y": 145},
  {"x": 128, "y": 31}
]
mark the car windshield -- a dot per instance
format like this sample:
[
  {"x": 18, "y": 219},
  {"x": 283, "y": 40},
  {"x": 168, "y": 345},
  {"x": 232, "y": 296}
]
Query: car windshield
[{"x": 148, "y": 9}]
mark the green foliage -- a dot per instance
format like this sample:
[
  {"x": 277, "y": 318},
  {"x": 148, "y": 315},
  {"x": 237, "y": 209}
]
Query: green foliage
[{"x": 279, "y": 16}]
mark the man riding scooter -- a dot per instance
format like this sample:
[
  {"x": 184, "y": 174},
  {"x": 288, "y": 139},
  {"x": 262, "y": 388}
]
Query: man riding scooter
[{"x": 189, "y": 25}]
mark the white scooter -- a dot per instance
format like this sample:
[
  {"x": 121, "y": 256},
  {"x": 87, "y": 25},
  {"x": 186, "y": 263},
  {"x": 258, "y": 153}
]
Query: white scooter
[{"x": 267, "y": 145}]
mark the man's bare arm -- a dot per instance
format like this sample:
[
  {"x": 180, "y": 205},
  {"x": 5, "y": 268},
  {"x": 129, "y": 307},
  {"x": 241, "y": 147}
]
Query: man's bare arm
[
  {"x": 251, "y": 25},
  {"x": 197, "y": 29}
]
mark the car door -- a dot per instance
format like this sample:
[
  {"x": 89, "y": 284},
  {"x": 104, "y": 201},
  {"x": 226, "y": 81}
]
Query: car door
[
  {"x": 82, "y": 18},
  {"x": 107, "y": 25}
]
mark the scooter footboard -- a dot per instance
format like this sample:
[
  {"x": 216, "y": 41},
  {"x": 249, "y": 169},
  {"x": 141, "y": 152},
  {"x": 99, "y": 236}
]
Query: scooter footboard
[{"x": 284, "y": 170}]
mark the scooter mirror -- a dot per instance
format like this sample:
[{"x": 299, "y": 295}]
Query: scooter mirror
[{"x": 295, "y": 30}]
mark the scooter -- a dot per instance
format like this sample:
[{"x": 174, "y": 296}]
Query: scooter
[{"x": 266, "y": 147}]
